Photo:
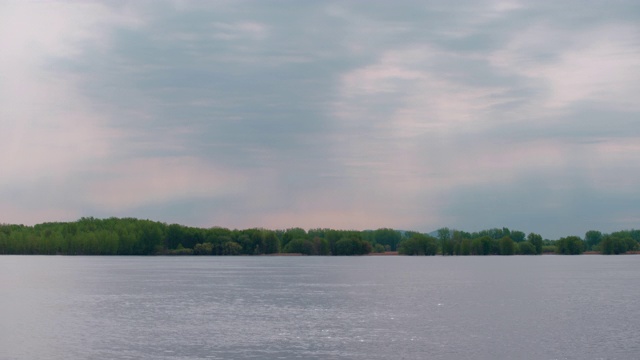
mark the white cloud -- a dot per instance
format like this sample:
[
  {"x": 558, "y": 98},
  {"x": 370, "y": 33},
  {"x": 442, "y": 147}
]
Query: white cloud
[
  {"x": 413, "y": 122},
  {"x": 405, "y": 106},
  {"x": 600, "y": 65},
  {"x": 49, "y": 127}
]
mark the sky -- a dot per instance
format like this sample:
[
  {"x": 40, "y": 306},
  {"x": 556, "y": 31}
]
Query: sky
[{"x": 413, "y": 115}]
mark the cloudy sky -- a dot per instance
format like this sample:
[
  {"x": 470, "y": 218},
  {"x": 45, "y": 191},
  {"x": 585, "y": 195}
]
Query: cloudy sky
[{"x": 345, "y": 114}]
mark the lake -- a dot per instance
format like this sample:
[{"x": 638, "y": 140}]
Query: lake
[{"x": 370, "y": 307}]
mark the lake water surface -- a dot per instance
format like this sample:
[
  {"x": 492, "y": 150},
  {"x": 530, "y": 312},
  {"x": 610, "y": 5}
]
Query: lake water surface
[{"x": 517, "y": 307}]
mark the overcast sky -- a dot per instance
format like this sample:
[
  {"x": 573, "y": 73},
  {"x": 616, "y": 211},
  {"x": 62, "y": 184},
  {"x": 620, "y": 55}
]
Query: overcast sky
[{"x": 350, "y": 115}]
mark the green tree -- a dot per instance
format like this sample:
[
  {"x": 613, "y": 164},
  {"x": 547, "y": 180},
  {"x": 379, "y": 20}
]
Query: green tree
[
  {"x": 388, "y": 237},
  {"x": 526, "y": 248},
  {"x": 618, "y": 243},
  {"x": 352, "y": 246},
  {"x": 299, "y": 246},
  {"x": 507, "y": 246},
  {"x": 536, "y": 241},
  {"x": 175, "y": 235},
  {"x": 271, "y": 243},
  {"x": 232, "y": 248},
  {"x": 203, "y": 249},
  {"x": 592, "y": 238},
  {"x": 293, "y": 233},
  {"x": 444, "y": 235},
  {"x": 465, "y": 246},
  {"x": 476, "y": 247},
  {"x": 378, "y": 248},
  {"x": 570, "y": 245},
  {"x": 321, "y": 246},
  {"x": 418, "y": 244},
  {"x": 244, "y": 240},
  {"x": 517, "y": 236},
  {"x": 487, "y": 245},
  {"x": 180, "y": 250}
]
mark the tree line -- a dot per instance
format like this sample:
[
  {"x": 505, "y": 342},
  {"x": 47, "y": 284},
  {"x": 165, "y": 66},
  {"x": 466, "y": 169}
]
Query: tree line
[{"x": 130, "y": 236}]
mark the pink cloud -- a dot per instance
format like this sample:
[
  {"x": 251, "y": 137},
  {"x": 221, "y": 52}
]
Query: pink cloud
[{"x": 145, "y": 181}]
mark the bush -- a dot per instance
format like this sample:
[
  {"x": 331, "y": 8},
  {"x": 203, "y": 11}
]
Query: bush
[
  {"x": 231, "y": 248},
  {"x": 181, "y": 251},
  {"x": 321, "y": 246},
  {"x": 506, "y": 246},
  {"x": 614, "y": 244},
  {"x": 379, "y": 248},
  {"x": 418, "y": 244},
  {"x": 570, "y": 245},
  {"x": 299, "y": 246},
  {"x": 203, "y": 249},
  {"x": 352, "y": 246},
  {"x": 527, "y": 248}
]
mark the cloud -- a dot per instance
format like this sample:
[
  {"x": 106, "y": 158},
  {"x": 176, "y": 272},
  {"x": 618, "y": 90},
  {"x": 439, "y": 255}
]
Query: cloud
[
  {"x": 49, "y": 128},
  {"x": 15, "y": 213},
  {"x": 240, "y": 31},
  {"x": 611, "y": 165},
  {"x": 416, "y": 116},
  {"x": 144, "y": 181},
  {"x": 599, "y": 64},
  {"x": 431, "y": 129}
]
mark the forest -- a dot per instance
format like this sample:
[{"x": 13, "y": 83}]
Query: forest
[{"x": 130, "y": 236}]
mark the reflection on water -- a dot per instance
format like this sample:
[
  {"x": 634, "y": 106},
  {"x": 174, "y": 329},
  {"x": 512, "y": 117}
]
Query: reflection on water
[{"x": 545, "y": 307}]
